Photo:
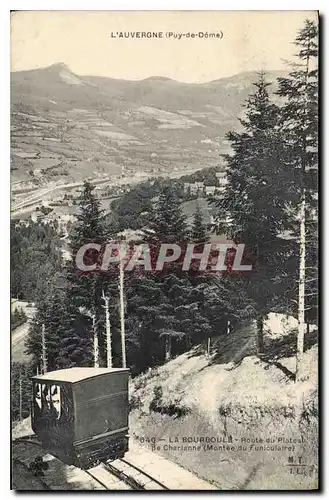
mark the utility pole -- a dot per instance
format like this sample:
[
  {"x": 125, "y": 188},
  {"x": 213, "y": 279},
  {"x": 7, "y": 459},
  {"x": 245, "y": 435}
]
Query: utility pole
[
  {"x": 122, "y": 313},
  {"x": 91, "y": 314},
  {"x": 44, "y": 352},
  {"x": 20, "y": 395},
  {"x": 108, "y": 330},
  {"x": 95, "y": 341},
  {"x": 301, "y": 288}
]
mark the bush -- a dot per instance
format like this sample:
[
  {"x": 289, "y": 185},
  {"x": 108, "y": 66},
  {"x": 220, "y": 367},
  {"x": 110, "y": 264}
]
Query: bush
[
  {"x": 141, "y": 381},
  {"x": 18, "y": 318},
  {"x": 173, "y": 408},
  {"x": 135, "y": 402}
]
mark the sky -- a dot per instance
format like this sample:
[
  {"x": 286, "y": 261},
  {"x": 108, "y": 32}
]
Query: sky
[{"x": 252, "y": 40}]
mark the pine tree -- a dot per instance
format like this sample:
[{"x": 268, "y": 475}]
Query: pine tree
[
  {"x": 35, "y": 257},
  {"x": 199, "y": 233},
  {"x": 143, "y": 295},
  {"x": 90, "y": 225},
  {"x": 86, "y": 315},
  {"x": 52, "y": 315},
  {"x": 152, "y": 300},
  {"x": 21, "y": 389},
  {"x": 167, "y": 223},
  {"x": 254, "y": 200},
  {"x": 299, "y": 125}
]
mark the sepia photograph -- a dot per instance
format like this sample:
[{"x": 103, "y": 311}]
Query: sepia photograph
[{"x": 164, "y": 278}]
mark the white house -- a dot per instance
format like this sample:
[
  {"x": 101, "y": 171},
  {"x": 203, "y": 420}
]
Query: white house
[{"x": 210, "y": 190}]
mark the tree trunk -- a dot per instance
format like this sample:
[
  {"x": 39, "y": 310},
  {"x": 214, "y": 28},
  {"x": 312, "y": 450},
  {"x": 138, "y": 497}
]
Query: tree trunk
[
  {"x": 95, "y": 342},
  {"x": 302, "y": 241},
  {"x": 301, "y": 290},
  {"x": 208, "y": 347},
  {"x": 108, "y": 332},
  {"x": 122, "y": 315},
  {"x": 20, "y": 395},
  {"x": 168, "y": 348},
  {"x": 260, "y": 335},
  {"x": 44, "y": 351}
]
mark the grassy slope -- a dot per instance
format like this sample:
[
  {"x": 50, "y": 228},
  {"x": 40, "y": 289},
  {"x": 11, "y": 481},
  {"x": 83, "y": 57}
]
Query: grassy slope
[{"x": 245, "y": 399}]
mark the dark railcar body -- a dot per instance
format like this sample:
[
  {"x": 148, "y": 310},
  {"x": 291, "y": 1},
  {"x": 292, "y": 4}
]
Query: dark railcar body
[{"x": 81, "y": 414}]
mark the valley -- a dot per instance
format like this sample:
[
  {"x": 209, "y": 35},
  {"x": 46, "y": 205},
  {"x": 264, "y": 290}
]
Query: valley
[{"x": 67, "y": 128}]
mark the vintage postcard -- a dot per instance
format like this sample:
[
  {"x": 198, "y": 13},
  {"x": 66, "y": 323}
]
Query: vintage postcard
[{"x": 164, "y": 250}]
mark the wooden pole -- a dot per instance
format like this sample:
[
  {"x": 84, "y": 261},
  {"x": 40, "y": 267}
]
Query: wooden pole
[
  {"x": 44, "y": 351},
  {"x": 95, "y": 341},
  {"x": 301, "y": 289},
  {"x": 108, "y": 331},
  {"x": 122, "y": 314},
  {"x": 95, "y": 346}
]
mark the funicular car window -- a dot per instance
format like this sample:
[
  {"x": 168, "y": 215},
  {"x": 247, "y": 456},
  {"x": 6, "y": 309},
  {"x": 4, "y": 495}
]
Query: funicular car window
[
  {"x": 55, "y": 400},
  {"x": 38, "y": 397},
  {"x": 48, "y": 399}
]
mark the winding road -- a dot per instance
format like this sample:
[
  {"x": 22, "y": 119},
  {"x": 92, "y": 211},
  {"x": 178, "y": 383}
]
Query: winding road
[{"x": 19, "y": 335}]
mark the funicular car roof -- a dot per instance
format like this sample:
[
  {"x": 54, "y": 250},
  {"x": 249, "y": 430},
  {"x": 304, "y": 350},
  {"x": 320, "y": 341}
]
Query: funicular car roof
[{"x": 76, "y": 374}]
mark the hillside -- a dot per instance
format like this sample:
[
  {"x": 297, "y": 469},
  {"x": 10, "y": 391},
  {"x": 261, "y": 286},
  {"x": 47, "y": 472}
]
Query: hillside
[
  {"x": 66, "y": 127},
  {"x": 234, "y": 421},
  {"x": 231, "y": 418}
]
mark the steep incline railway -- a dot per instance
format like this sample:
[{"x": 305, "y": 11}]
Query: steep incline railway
[{"x": 119, "y": 474}]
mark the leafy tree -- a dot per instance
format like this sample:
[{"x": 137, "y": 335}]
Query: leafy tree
[{"x": 207, "y": 175}]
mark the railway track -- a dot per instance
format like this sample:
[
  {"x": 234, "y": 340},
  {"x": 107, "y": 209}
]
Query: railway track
[
  {"x": 33, "y": 441},
  {"x": 30, "y": 439},
  {"x": 95, "y": 478},
  {"x": 123, "y": 470},
  {"x": 133, "y": 476}
]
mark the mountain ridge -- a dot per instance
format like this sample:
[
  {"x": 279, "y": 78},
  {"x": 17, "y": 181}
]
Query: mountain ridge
[
  {"x": 96, "y": 126},
  {"x": 61, "y": 65}
]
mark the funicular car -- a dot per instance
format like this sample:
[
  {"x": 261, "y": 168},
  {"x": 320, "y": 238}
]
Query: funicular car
[{"x": 81, "y": 414}]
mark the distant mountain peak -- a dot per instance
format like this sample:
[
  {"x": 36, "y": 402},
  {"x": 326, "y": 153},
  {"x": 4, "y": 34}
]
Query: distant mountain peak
[
  {"x": 61, "y": 70},
  {"x": 60, "y": 66},
  {"x": 158, "y": 79}
]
